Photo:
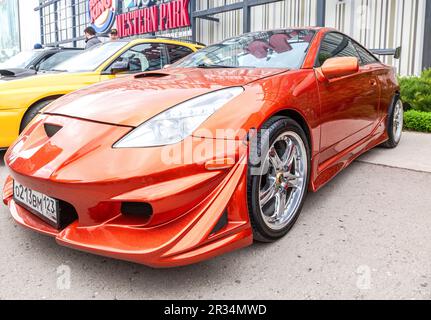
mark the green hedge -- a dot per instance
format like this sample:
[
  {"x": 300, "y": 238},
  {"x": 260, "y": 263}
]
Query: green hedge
[
  {"x": 416, "y": 92},
  {"x": 417, "y": 121}
]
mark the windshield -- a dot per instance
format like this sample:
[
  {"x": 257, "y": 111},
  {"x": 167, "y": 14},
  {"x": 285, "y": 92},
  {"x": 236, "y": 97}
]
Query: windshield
[
  {"x": 91, "y": 58},
  {"x": 53, "y": 61},
  {"x": 271, "y": 49},
  {"x": 21, "y": 60}
]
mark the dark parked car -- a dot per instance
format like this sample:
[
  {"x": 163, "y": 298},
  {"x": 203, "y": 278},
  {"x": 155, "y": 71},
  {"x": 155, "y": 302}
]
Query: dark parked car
[{"x": 28, "y": 63}]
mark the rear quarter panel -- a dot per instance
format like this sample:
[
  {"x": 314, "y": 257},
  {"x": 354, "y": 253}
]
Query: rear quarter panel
[{"x": 389, "y": 87}]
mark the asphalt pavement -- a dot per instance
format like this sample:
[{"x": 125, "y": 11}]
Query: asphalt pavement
[{"x": 366, "y": 235}]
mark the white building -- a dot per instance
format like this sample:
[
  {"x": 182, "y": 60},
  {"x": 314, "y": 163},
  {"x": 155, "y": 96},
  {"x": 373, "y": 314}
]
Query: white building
[{"x": 19, "y": 26}]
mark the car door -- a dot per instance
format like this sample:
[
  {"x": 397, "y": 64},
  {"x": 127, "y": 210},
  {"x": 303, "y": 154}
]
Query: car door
[
  {"x": 142, "y": 57},
  {"x": 349, "y": 105}
]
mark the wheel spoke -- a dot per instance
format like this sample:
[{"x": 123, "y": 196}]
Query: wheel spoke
[
  {"x": 267, "y": 195},
  {"x": 275, "y": 159},
  {"x": 293, "y": 180},
  {"x": 294, "y": 183},
  {"x": 280, "y": 206},
  {"x": 291, "y": 153}
]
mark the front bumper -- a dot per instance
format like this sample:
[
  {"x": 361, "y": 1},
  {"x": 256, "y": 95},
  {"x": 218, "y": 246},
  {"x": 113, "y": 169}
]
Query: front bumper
[{"x": 187, "y": 205}]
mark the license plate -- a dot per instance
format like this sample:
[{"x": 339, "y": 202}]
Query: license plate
[{"x": 43, "y": 206}]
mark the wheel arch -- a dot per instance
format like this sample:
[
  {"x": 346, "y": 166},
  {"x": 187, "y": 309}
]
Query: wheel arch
[
  {"x": 299, "y": 118},
  {"x": 53, "y": 97}
]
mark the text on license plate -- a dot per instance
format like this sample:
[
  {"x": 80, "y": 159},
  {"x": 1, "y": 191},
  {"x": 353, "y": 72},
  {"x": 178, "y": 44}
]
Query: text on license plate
[{"x": 42, "y": 204}]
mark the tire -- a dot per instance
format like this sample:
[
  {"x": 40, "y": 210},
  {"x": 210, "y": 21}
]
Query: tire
[
  {"x": 268, "y": 187},
  {"x": 395, "y": 124},
  {"x": 32, "y": 112}
]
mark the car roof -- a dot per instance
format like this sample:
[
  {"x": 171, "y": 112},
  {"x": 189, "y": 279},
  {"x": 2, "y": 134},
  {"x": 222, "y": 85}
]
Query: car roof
[
  {"x": 150, "y": 39},
  {"x": 59, "y": 48}
]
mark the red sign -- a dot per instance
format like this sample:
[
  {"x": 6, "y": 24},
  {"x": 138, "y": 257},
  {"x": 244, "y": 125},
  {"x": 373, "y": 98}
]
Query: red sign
[
  {"x": 98, "y": 7},
  {"x": 166, "y": 16}
]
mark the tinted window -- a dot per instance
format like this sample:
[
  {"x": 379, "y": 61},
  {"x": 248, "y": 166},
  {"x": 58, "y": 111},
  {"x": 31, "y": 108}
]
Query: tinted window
[
  {"x": 144, "y": 57},
  {"x": 51, "y": 62},
  {"x": 336, "y": 45},
  {"x": 266, "y": 49},
  {"x": 366, "y": 57},
  {"x": 177, "y": 52}
]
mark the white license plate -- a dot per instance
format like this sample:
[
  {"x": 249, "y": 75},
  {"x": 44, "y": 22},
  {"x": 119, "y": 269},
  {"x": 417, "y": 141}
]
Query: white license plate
[{"x": 38, "y": 203}]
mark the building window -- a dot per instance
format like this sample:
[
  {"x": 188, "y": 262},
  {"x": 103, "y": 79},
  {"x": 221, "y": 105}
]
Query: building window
[
  {"x": 64, "y": 21},
  {"x": 9, "y": 37}
]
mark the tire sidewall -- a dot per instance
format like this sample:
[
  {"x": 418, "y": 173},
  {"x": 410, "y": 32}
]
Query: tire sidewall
[
  {"x": 390, "y": 124},
  {"x": 32, "y": 112},
  {"x": 273, "y": 130}
]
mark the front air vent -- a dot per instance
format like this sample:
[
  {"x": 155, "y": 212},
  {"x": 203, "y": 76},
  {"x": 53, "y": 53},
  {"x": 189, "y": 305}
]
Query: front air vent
[
  {"x": 151, "y": 75},
  {"x": 51, "y": 129},
  {"x": 67, "y": 214},
  {"x": 137, "y": 209},
  {"x": 221, "y": 223}
]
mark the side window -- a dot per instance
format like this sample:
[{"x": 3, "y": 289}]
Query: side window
[
  {"x": 144, "y": 57},
  {"x": 366, "y": 57},
  {"x": 56, "y": 59},
  {"x": 46, "y": 57},
  {"x": 177, "y": 52},
  {"x": 336, "y": 45}
]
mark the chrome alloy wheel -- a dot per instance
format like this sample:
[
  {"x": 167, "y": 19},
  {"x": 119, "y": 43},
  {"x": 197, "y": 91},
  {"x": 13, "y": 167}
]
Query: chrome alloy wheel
[
  {"x": 398, "y": 121},
  {"x": 283, "y": 180}
]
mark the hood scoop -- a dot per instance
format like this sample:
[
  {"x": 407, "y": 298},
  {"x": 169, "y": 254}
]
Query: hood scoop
[
  {"x": 7, "y": 73},
  {"x": 51, "y": 129},
  {"x": 16, "y": 72},
  {"x": 151, "y": 75}
]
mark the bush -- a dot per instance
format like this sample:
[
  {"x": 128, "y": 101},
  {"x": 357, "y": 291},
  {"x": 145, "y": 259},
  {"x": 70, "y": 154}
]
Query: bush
[
  {"x": 416, "y": 91},
  {"x": 417, "y": 121}
]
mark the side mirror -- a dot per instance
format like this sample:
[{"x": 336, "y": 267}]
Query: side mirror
[
  {"x": 120, "y": 66},
  {"x": 338, "y": 67}
]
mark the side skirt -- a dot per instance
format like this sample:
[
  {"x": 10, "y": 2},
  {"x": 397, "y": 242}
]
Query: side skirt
[{"x": 331, "y": 167}]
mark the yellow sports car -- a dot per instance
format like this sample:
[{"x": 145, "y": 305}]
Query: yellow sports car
[{"x": 21, "y": 100}]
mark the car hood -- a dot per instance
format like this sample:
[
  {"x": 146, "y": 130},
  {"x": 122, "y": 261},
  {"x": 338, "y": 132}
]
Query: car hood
[{"x": 132, "y": 100}]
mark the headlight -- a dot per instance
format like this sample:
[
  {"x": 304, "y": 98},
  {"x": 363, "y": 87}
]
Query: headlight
[{"x": 177, "y": 123}]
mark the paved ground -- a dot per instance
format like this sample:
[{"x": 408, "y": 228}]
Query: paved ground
[
  {"x": 365, "y": 235},
  {"x": 413, "y": 153}
]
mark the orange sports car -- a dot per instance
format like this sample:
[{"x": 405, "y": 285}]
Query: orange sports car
[{"x": 171, "y": 167}]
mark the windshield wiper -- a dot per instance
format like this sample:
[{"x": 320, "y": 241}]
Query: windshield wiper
[{"x": 213, "y": 66}]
